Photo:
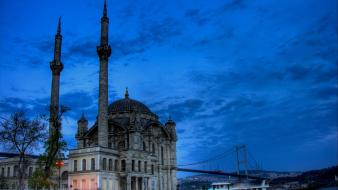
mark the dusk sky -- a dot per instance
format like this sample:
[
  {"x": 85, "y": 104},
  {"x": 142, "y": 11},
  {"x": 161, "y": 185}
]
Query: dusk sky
[{"x": 261, "y": 73}]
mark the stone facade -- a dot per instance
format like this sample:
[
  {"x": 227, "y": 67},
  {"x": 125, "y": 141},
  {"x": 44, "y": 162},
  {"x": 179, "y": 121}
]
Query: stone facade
[
  {"x": 127, "y": 148},
  {"x": 141, "y": 152}
]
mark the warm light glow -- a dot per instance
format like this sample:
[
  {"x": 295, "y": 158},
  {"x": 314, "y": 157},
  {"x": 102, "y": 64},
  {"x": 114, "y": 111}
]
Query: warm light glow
[{"x": 59, "y": 163}]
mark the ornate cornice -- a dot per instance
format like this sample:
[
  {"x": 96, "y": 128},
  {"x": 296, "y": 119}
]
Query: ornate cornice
[
  {"x": 56, "y": 66},
  {"x": 104, "y": 52}
]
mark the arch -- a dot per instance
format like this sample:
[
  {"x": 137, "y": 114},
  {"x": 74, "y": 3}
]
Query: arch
[{"x": 110, "y": 165}]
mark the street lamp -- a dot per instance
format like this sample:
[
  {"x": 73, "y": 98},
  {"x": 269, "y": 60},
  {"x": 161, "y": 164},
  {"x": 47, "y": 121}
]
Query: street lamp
[{"x": 59, "y": 164}]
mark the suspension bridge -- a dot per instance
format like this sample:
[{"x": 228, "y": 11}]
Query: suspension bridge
[{"x": 239, "y": 156}]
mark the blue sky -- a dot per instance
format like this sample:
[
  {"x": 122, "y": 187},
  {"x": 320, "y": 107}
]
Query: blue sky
[{"x": 261, "y": 73}]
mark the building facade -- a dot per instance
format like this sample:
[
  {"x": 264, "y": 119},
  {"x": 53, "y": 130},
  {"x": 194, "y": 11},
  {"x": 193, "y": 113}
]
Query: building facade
[{"x": 127, "y": 148}]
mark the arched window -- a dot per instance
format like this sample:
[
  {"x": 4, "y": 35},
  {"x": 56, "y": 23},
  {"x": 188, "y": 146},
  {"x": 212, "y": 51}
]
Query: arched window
[
  {"x": 133, "y": 165},
  {"x": 104, "y": 164},
  {"x": 123, "y": 165},
  {"x": 139, "y": 165},
  {"x": 110, "y": 164},
  {"x": 116, "y": 165},
  {"x": 84, "y": 165},
  {"x": 145, "y": 167},
  {"x": 92, "y": 164}
]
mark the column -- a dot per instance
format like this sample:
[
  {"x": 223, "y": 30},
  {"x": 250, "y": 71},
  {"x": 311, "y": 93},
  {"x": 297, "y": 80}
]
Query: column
[{"x": 128, "y": 182}]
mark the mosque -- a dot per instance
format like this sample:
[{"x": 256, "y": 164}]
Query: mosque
[{"x": 127, "y": 148}]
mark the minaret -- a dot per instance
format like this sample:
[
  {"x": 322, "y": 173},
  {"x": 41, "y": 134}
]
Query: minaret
[
  {"x": 103, "y": 52},
  {"x": 56, "y": 67}
]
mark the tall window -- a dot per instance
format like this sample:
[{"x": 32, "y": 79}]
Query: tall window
[
  {"x": 2, "y": 172},
  {"x": 123, "y": 165},
  {"x": 139, "y": 166},
  {"x": 92, "y": 164},
  {"x": 75, "y": 165},
  {"x": 116, "y": 165},
  {"x": 110, "y": 165},
  {"x": 8, "y": 171},
  {"x": 153, "y": 147},
  {"x": 84, "y": 165},
  {"x": 104, "y": 164},
  {"x": 152, "y": 169},
  {"x": 145, "y": 167},
  {"x": 133, "y": 165}
]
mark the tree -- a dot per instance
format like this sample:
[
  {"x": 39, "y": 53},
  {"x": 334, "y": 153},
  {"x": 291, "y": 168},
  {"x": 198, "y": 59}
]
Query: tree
[
  {"x": 21, "y": 135},
  {"x": 54, "y": 146}
]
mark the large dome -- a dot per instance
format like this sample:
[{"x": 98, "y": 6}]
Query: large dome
[{"x": 128, "y": 105}]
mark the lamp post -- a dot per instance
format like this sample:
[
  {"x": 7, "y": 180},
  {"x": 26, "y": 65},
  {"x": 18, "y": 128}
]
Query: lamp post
[{"x": 59, "y": 164}]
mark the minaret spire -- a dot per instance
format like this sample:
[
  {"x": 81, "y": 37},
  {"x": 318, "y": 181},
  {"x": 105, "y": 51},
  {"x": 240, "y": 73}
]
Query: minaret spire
[
  {"x": 105, "y": 9},
  {"x": 59, "y": 27},
  {"x": 103, "y": 51},
  {"x": 56, "y": 67},
  {"x": 126, "y": 94}
]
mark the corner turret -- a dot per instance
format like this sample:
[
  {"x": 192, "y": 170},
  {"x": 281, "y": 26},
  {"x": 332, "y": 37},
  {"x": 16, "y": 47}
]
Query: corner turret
[
  {"x": 82, "y": 128},
  {"x": 171, "y": 127}
]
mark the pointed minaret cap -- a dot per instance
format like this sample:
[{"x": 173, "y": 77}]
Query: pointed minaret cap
[
  {"x": 83, "y": 118},
  {"x": 170, "y": 121},
  {"x": 59, "y": 26},
  {"x": 105, "y": 9},
  {"x": 126, "y": 94}
]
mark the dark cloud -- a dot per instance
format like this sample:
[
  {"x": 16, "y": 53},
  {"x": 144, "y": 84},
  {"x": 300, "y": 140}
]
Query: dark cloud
[
  {"x": 204, "y": 17},
  {"x": 150, "y": 34},
  {"x": 326, "y": 92},
  {"x": 31, "y": 107},
  {"x": 240, "y": 103},
  {"x": 180, "y": 111},
  {"x": 83, "y": 48},
  {"x": 195, "y": 16}
]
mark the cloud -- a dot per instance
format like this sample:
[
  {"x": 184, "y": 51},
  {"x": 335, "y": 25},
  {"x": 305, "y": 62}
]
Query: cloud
[{"x": 183, "y": 110}]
